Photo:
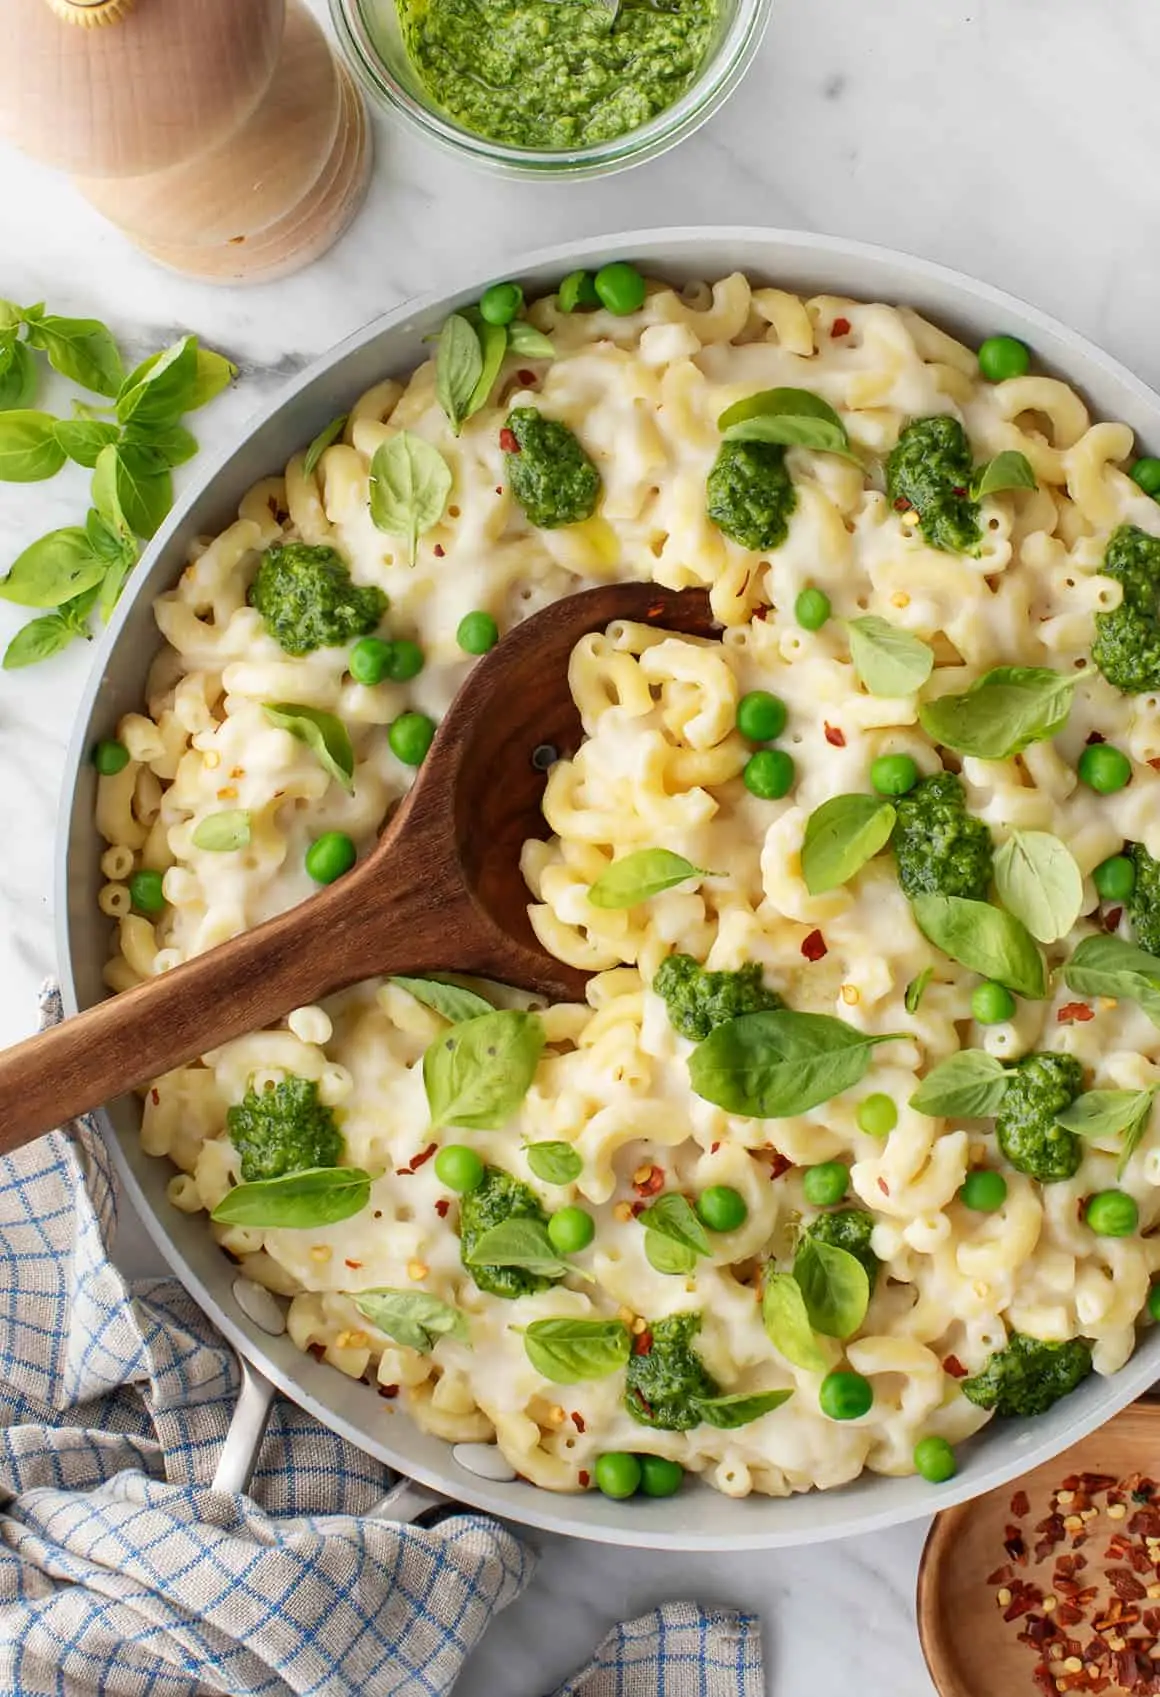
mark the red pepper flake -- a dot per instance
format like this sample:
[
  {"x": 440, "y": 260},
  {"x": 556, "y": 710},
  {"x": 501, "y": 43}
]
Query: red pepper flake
[
  {"x": 714, "y": 1146},
  {"x": 1015, "y": 1547},
  {"x": 155, "y": 1097},
  {"x": 1021, "y": 1605},
  {"x": 840, "y": 327},
  {"x": 578, "y": 1420},
  {"x": 902, "y": 505},
  {"x": 585, "y": 1477},
  {"x": 1125, "y": 1584},
  {"x": 653, "y": 1181},
  {"x": 953, "y": 1366},
  {"x": 417, "y": 1161},
  {"x": 317, "y": 1350},
  {"x": 642, "y": 1344},
  {"x": 1075, "y": 1013},
  {"x": 638, "y": 1209},
  {"x": 1068, "y": 1615},
  {"x": 1094, "y": 737},
  {"x": 527, "y": 378},
  {"x": 443, "y": 1206},
  {"x": 1111, "y": 919},
  {"x": 884, "y": 1187},
  {"x": 499, "y": 488},
  {"x": 507, "y": 441},
  {"x": 835, "y": 736},
  {"x": 439, "y": 550},
  {"x": 1020, "y": 1504},
  {"x": 814, "y": 946},
  {"x": 355, "y": 1264},
  {"x": 1000, "y": 1576},
  {"x": 1155, "y": 764},
  {"x": 388, "y": 1391},
  {"x": 643, "y": 1404},
  {"x": 958, "y": 491}
]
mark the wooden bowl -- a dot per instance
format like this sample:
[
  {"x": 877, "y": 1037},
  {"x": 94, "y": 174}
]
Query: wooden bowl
[{"x": 970, "y": 1649}]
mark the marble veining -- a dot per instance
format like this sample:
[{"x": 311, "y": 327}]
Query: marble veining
[{"x": 1014, "y": 139}]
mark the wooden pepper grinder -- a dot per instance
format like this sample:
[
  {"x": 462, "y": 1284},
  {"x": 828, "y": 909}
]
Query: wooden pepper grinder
[{"x": 222, "y": 136}]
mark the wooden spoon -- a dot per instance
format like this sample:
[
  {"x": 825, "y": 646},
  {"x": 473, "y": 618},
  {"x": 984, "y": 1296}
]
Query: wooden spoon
[{"x": 441, "y": 890}]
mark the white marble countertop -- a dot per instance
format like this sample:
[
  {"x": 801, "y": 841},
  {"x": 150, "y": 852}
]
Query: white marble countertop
[{"x": 1015, "y": 139}]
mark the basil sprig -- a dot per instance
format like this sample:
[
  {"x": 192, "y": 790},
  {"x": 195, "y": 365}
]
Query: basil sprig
[
  {"x": 984, "y": 939},
  {"x": 327, "y": 436},
  {"x": 326, "y": 737},
  {"x": 478, "y": 1074},
  {"x": 409, "y": 486},
  {"x": 1008, "y": 470},
  {"x": 470, "y": 356},
  {"x": 796, "y": 418},
  {"x": 638, "y": 876},
  {"x": 567, "y": 1351},
  {"x": 453, "y": 1001},
  {"x": 841, "y": 836},
  {"x": 787, "y": 1324},
  {"x": 835, "y": 1287},
  {"x": 413, "y": 1318},
  {"x": 889, "y": 661},
  {"x": 674, "y": 1236},
  {"x": 1002, "y": 713},
  {"x": 555, "y": 1163},
  {"x": 224, "y": 831},
  {"x": 1111, "y": 1113},
  {"x": 1108, "y": 966},
  {"x": 775, "y": 1064},
  {"x": 320, "y": 1196},
  {"x": 1038, "y": 881},
  {"x": 519, "y": 1242},
  {"x": 970, "y": 1085},
  {"x": 739, "y": 1408}
]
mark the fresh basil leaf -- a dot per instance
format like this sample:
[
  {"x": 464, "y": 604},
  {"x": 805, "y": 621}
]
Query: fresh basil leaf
[
  {"x": 889, "y": 661},
  {"x": 410, "y": 483},
  {"x": 666, "y": 1255},
  {"x": 18, "y": 378},
  {"x": 52, "y": 570},
  {"x": 29, "y": 450},
  {"x": 1002, "y": 712},
  {"x": 493, "y": 346},
  {"x": 451, "y": 1000},
  {"x": 80, "y": 348},
  {"x": 524, "y": 339},
  {"x": 970, "y": 1085},
  {"x": 144, "y": 488},
  {"x": 326, "y": 737},
  {"x": 787, "y": 1324},
  {"x": 917, "y": 989},
  {"x": 414, "y": 1318},
  {"x": 1108, "y": 966},
  {"x": 39, "y": 639},
  {"x": 794, "y": 417},
  {"x": 638, "y": 876},
  {"x": 214, "y": 373},
  {"x": 162, "y": 387},
  {"x": 11, "y": 316},
  {"x": 776, "y": 1064},
  {"x": 319, "y": 1196},
  {"x": 162, "y": 445},
  {"x": 105, "y": 496},
  {"x": 105, "y": 543},
  {"x": 727, "y": 1413},
  {"x": 985, "y": 939},
  {"x": 1111, "y": 1113},
  {"x": 458, "y": 368},
  {"x": 327, "y": 436},
  {"x": 114, "y": 581},
  {"x": 671, "y": 1216},
  {"x": 1037, "y": 880},
  {"x": 478, "y": 1074},
  {"x": 568, "y": 1351},
  {"x": 555, "y": 1163},
  {"x": 83, "y": 439},
  {"x": 518, "y": 1242},
  {"x": 835, "y": 1287},
  {"x": 1008, "y": 470},
  {"x": 224, "y": 831},
  {"x": 841, "y": 836}
]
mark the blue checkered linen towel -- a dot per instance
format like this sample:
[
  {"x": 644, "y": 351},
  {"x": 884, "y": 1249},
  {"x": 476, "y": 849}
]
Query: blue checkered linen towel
[{"x": 123, "y": 1573}]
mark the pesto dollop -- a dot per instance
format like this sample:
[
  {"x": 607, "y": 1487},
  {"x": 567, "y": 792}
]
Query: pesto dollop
[
  {"x": 749, "y": 495},
  {"x": 500, "y": 1197},
  {"x": 929, "y": 471},
  {"x": 551, "y": 476},
  {"x": 664, "y": 1384},
  {"x": 1127, "y": 644},
  {"x": 1041, "y": 1086},
  {"x": 698, "y": 1001},
  {"x": 283, "y": 1130},
  {"x": 555, "y": 73},
  {"x": 1144, "y": 902},
  {"x": 941, "y": 849},
  {"x": 307, "y": 599},
  {"x": 1030, "y": 1375}
]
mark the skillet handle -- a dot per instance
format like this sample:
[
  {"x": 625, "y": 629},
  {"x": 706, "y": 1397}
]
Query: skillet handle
[{"x": 406, "y": 1501}]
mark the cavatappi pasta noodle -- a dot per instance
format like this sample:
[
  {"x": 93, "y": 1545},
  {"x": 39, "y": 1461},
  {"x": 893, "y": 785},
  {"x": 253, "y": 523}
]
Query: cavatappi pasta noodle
[{"x": 661, "y": 767}]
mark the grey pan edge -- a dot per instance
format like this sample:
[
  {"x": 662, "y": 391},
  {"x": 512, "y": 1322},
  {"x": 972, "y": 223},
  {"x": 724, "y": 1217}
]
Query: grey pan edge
[{"x": 698, "y": 1518}]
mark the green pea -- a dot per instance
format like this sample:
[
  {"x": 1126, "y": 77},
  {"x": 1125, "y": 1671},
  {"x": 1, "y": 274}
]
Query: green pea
[
  {"x": 893, "y": 774},
  {"x": 812, "y": 609},
  {"x": 477, "y": 633},
  {"x": 405, "y": 660},
  {"x": 769, "y": 773},
  {"x": 1115, "y": 878},
  {"x": 501, "y": 303},
  {"x": 145, "y": 889},
  {"x": 1103, "y": 768},
  {"x": 369, "y": 661},
  {"x": 329, "y": 856},
  {"x": 620, "y": 288},
  {"x": 760, "y": 716},
  {"x": 722, "y": 1208},
  {"x": 935, "y": 1460},
  {"x": 571, "y": 1230},
  {"x": 410, "y": 736},
  {"x": 459, "y": 1168},
  {"x": 618, "y": 1474},
  {"x": 845, "y": 1395},
  {"x": 1112, "y": 1213},
  {"x": 991, "y": 1003},
  {"x": 983, "y": 1191},
  {"x": 110, "y": 757},
  {"x": 1001, "y": 357},
  {"x": 577, "y": 290},
  {"x": 1146, "y": 473},
  {"x": 877, "y": 1114},
  {"x": 660, "y": 1477},
  {"x": 825, "y": 1184},
  {"x": 1154, "y": 1301}
]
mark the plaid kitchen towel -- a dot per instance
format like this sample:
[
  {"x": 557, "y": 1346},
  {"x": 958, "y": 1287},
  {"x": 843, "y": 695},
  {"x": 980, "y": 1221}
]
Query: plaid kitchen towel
[{"x": 124, "y": 1574}]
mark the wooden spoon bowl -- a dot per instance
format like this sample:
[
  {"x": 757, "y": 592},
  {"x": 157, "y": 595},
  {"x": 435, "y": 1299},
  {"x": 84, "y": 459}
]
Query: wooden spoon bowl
[{"x": 440, "y": 891}]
